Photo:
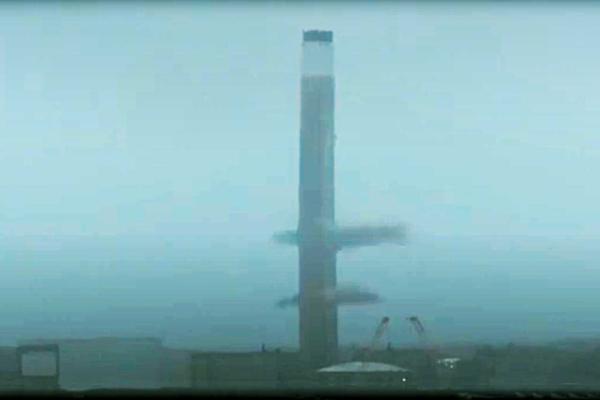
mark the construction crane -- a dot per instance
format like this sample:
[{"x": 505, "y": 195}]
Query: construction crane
[
  {"x": 379, "y": 332},
  {"x": 423, "y": 337},
  {"x": 431, "y": 349},
  {"x": 429, "y": 369},
  {"x": 376, "y": 339},
  {"x": 419, "y": 328},
  {"x": 381, "y": 329}
]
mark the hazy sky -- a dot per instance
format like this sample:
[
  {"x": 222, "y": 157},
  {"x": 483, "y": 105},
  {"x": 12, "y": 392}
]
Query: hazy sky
[
  {"x": 150, "y": 118},
  {"x": 183, "y": 119}
]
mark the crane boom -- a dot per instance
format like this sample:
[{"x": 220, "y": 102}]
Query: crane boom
[
  {"x": 430, "y": 348},
  {"x": 381, "y": 329},
  {"x": 418, "y": 326},
  {"x": 379, "y": 332}
]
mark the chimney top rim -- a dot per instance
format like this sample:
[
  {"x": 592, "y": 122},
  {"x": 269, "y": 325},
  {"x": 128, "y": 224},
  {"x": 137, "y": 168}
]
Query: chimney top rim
[{"x": 317, "y": 36}]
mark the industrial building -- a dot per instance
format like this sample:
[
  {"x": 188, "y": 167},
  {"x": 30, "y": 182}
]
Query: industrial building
[
  {"x": 365, "y": 375},
  {"x": 250, "y": 370},
  {"x": 9, "y": 369},
  {"x": 99, "y": 363},
  {"x": 279, "y": 370}
]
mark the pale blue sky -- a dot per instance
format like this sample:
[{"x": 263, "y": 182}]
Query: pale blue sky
[
  {"x": 175, "y": 120},
  {"x": 154, "y": 119}
]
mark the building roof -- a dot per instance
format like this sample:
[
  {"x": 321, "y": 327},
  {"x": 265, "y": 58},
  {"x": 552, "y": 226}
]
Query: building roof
[
  {"x": 359, "y": 366},
  {"x": 448, "y": 360},
  {"x": 93, "y": 340}
]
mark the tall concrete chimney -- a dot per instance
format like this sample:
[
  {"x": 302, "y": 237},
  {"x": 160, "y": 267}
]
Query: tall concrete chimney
[
  {"x": 318, "y": 237},
  {"x": 316, "y": 244}
]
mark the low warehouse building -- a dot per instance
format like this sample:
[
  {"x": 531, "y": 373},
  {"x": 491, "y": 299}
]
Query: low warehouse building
[
  {"x": 260, "y": 370},
  {"x": 365, "y": 374},
  {"x": 112, "y": 363},
  {"x": 9, "y": 369}
]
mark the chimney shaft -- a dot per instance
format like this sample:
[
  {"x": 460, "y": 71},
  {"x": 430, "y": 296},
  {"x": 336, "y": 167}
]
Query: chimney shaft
[{"x": 317, "y": 252}]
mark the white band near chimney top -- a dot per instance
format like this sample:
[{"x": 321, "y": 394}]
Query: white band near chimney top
[{"x": 317, "y": 59}]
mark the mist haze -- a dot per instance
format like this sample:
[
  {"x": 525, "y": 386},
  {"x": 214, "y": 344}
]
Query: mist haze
[{"x": 149, "y": 152}]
